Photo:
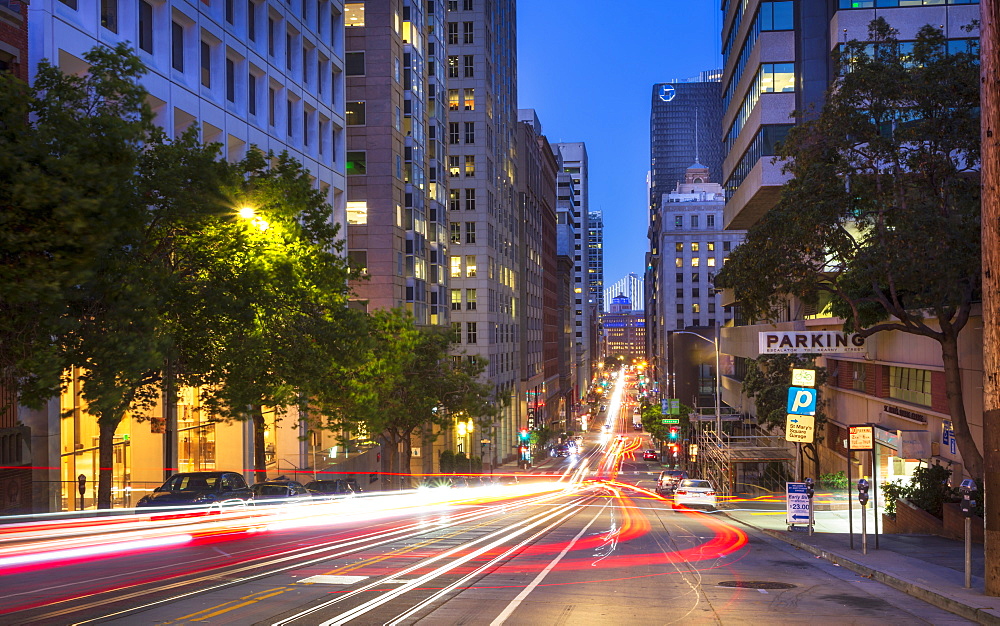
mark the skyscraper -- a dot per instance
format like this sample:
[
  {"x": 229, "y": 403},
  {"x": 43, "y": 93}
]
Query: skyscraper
[
  {"x": 482, "y": 99},
  {"x": 595, "y": 258},
  {"x": 631, "y": 286}
]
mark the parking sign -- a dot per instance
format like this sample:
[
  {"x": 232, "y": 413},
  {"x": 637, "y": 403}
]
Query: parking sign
[{"x": 801, "y": 401}]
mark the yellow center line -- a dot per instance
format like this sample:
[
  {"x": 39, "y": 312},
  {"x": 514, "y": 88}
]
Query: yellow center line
[
  {"x": 239, "y": 606},
  {"x": 218, "y": 606}
]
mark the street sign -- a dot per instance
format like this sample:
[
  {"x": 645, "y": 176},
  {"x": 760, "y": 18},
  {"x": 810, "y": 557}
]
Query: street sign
[
  {"x": 670, "y": 421},
  {"x": 800, "y": 428},
  {"x": 804, "y": 378},
  {"x": 801, "y": 401},
  {"x": 861, "y": 438},
  {"x": 797, "y": 503},
  {"x": 665, "y": 406}
]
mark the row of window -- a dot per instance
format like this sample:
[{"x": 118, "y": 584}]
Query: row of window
[
  {"x": 456, "y": 232},
  {"x": 770, "y": 78},
  {"x": 770, "y": 16},
  {"x": 695, "y": 221},
  {"x": 468, "y": 33},
  {"x": 455, "y": 197},
  {"x": 870, "y": 4},
  {"x": 695, "y": 293},
  {"x": 695, "y": 246},
  {"x": 470, "y": 299},
  {"x": 695, "y": 277},
  {"x": 765, "y": 143},
  {"x": 681, "y": 325},
  {"x": 695, "y": 308},
  {"x": 696, "y": 261}
]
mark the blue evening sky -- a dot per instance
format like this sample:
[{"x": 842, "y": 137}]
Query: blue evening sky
[{"x": 588, "y": 68}]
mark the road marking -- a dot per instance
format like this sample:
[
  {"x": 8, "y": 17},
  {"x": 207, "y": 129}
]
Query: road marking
[
  {"x": 326, "y": 579},
  {"x": 541, "y": 576}
]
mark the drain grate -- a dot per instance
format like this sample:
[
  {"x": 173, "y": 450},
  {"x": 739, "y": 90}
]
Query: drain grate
[{"x": 755, "y": 584}]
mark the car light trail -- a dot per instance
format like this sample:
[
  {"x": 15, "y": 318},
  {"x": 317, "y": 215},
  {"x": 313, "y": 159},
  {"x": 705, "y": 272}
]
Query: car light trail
[{"x": 92, "y": 551}]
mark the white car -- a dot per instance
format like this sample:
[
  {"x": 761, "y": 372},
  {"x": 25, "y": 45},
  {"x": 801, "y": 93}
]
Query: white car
[{"x": 693, "y": 492}]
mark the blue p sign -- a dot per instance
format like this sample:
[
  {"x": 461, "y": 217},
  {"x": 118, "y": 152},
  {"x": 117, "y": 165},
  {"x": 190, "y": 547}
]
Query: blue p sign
[{"x": 801, "y": 401}]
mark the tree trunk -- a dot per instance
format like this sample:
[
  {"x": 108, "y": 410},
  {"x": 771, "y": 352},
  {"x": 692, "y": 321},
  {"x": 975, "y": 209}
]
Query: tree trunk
[
  {"x": 170, "y": 457},
  {"x": 106, "y": 461},
  {"x": 404, "y": 462},
  {"x": 971, "y": 456},
  {"x": 989, "y": 65},
  {"x": 259, "y": 452}
]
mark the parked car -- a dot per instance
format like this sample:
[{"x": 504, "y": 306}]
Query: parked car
[
  {"x": 334, "y": 488},
  {"x": 194, "y": 488},
  {"x": 650, "y": 455},
  {"x": 280, "y": 490},
  {"x": 693, "y": 492},
  {"x": 668, "y": 480}
]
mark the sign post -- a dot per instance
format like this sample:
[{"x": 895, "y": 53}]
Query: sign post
[{"x": 798, "y": 505}]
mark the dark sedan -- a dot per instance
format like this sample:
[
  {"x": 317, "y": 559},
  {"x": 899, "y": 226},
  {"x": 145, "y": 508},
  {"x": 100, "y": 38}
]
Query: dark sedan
[
  {"x": 280, "y": 490},
  {"x": 334, "y": 488},
  {"x": 200, "y": 488}
]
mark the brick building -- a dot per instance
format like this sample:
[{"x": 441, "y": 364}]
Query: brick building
[{"x": 14, "y": 38}]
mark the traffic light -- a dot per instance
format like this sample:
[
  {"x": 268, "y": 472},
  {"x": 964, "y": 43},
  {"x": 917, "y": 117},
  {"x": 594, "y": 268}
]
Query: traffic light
[
  {"x": 523, "y": 434},
  {"x": 673, "y": 433},
  {"x": 863, "y": 491}
]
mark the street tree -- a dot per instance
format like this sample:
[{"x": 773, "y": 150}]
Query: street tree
[{"x": 880, "y": 218}]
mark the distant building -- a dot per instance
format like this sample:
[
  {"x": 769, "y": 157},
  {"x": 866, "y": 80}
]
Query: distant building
[
  {"x": 632, "y": 287},
  {"x": 595, "y": 258},
  {"x": 624, "y": 330}
]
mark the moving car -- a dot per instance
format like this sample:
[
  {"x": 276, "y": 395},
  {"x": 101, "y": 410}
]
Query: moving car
[
  {"x": 668, "y": 480},
  {"x": 334, "y": 488},
  {"x": 693, "y": 492},
  {"x": 200, "y": 488},
  {"x": 650, "y": 455},
  {"x": 280, "y": 489}
]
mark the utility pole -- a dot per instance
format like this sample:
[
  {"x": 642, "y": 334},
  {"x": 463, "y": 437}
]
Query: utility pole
[{"x": 989, "y": 90}]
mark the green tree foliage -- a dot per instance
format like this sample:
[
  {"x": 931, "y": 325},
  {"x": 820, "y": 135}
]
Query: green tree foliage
[
  {"x": 652, "y": 422},
  {"x": 406, "y": 383},
  {"x": 767, "y": 381},
  {"x": 881, "y": 215}
]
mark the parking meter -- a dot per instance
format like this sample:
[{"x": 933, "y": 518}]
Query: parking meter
[
  {"x": 967, "y": 489},
  {"x": 863, "y": 491},
  {"x": 810, "y": 488},
  {"x": 82, "y": 479}
]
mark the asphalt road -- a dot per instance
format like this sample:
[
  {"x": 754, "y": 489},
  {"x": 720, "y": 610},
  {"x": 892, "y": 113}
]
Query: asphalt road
[{"x": 578, "y": 551}]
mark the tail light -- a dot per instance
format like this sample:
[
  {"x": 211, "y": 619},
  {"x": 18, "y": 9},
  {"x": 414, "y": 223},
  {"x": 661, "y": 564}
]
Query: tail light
[
  {"x": 710, "y": 493},
  {"x": 681, "y": 492}
]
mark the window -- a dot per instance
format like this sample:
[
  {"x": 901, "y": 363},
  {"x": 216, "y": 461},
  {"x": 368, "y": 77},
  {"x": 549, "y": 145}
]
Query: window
[
  {"x": 695, "y": 262},
  {"x": 470, "y": 165},
  {"x": 694, "y": 221},
  {"x": 452, "y": 5},
  {"x": 453, "y": 99},
  {"x": 271, "y": 105},
  {"x": 678, "y": 222},
  {"x": 859, "y": 373},
  {"x": 355, "y": 114},
  {"x": 354, "y": 14},
  {"x": 679, "y": 247},
  {"x": 288, "y": 51},
  {"x": 680, "y": 308},
  {"x": 145, "y": 26},
  {"x": 711, "y": 246},
  {"x": 456, "y": 232},
  {"x": 470, "y": 132},
  {"x": 726, "y": 245},
  {"x": 251, "y": 20},
  {"x": 356, "y": 163},
  {"x": 696, "y": 293},
  {"x": 710, "y": 221},
  {"x": 467, "y": 32},
  {"x": 466, "y": 5},
  {"x": 230, "y": 80},
  {"x": 288, "y": 117},
  {"x": 696, "y": 308},
  {"x": 70, "y": 3},
  {"x": 680, "y": 292},
  {"x": 470, "y": 199},
  {"x": 453, "y": 66},
  {"x": 469, "y": 99},
  {"x": 679, "y": 262},
  {"x": 251, "y": 94},
  {"x": 469, "y": 62},
  {"x": 109, "y": 15},
  {"x": 470, "y": 299},
  {"x": 695, "y": 246},
  {"x": 679, "y": 277},
  {"x": 456, "y": 267},
  {"x": 456, "y": 299},
  {"x": 177, "y": 46},
  {"x": 206, "y": 64},
  {"x": 452, "y": 33},
  {"x": 453, "y": 167},
  {"x": 695, "y": 277},
  {"x": 271, "y": 29},
  {"x": 710, "y": 261},
  {"x": 470, "y": 332},
  {"x": 470, "y": 266},
  {"x": 453, "y": 199},
  {"x": 354, "y": 63},
  {"x": 229, "y": 11},
  {"x": 470, "y": 232},
  {"x": 910, "y": 385},
  {"x": 452, "y": 132}
]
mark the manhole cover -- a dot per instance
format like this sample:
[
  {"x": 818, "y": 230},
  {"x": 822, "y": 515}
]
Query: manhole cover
[{"x": 755, "y": 584}]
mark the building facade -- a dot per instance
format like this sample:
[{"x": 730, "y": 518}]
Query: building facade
[
  {"x": 777, "y": 60},
  {"x": 624, "y": 330},
  {"x": 631, "y": 286},
  {"x": 14, "y": 38},
  {"x": 595, "y": 258}
]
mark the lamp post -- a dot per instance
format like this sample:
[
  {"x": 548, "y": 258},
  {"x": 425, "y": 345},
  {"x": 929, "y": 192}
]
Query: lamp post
[{"x": 715, "y": 344}]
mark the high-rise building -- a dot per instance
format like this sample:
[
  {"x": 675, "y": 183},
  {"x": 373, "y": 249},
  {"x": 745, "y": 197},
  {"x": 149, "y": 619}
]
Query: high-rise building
[
  {"x": 572, "y": 199},
  {"x": 536, "y": 200},
  {"x": 481, "y": 81},
  {"x": 631, "y": 286},
  {"x": 777, "y": 61},
  {"x": 684, "y": 128},
  {"x": 624, "y": 329},
  {"x": 595, "y": 258}
]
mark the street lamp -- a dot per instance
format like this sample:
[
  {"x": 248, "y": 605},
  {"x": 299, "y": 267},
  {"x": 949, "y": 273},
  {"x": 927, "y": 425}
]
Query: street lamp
[{"x": 715, "y": 344}]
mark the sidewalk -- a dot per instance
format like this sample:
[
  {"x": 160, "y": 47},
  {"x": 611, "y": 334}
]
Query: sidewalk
[{"x": 926, "y": 567}]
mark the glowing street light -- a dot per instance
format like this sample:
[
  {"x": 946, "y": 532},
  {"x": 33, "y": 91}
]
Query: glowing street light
[{"x": 250, "y": 215}]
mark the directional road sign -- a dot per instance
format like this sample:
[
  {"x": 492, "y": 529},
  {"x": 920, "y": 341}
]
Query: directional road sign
[
  {"x": 670, "y": 421},
  {"x": 800, "y": 428}
]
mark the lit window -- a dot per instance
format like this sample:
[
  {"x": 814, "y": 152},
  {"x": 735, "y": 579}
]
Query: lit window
[
  {"x": 456, "y": 267},
  {"x": 470, "y": 266},
  {"x": 695, "y": 262},
  {"x": 679, "y": 247},
  {"x": 694, "y": 246},
  {"x": 679, "y": 261},
  {"x": 469, "y": 98},
  {"x": 453, "y": 99},
  {"x": 711, "y": 261},
  {"x": 357, "y": 212},
  {"x": 354, "y": 14}
]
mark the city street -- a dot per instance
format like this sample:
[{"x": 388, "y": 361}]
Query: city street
[{"x": 590, "y": 546}]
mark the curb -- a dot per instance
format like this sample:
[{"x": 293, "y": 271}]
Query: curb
[{"x": 982, "y": 615}]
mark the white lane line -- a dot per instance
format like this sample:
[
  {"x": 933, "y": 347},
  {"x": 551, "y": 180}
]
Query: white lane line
[
  {"x": 326, "y": 579},
  {"x": 541, "y": 576}
]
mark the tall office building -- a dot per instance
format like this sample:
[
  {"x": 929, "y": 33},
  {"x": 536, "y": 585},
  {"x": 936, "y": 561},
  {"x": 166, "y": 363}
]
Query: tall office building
[
  {"x": 595, "y": 258},
  {"x": 259, "y": 74},
  {"x": 631, "y": 286},
  {"x": 684, "y": 128},
  {"x": 624, "y": 330},
  {"x": 572, "y": 198},
  {"x": 482, "y": 98},
  {"x": 777, "y": 60}
]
